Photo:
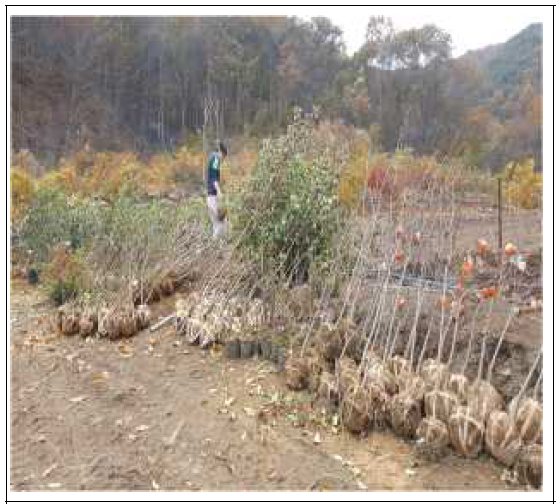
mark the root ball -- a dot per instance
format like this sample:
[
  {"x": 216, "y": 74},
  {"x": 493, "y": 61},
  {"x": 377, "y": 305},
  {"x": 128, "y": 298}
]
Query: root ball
[
  {"x": 435, "y": 375},
  {"x": 483, "y": 398},
  {"x": 529, "y": 465},
  {"x": 527, "y": 418},
  {"x": 406, "y": 414},
  {"x": 440, "y": 404},
  {"x": 433, "y": 440},
  {"x": 354, "y": 411},
  {"x": 501, "y": 439},
  {"x": 466, "y": 432},
  {"x": 297, "y": 373}
]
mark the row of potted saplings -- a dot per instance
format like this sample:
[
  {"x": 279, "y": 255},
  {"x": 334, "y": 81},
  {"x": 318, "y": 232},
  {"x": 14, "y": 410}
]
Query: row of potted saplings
[
  {"x": 120, "y": 321},
  {"x": 234, "y": 322},
  {"x": 433, "y": 406}
]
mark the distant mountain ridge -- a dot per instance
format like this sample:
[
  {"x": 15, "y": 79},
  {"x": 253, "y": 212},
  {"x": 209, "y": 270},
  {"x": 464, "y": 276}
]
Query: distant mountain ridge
[{"x": 508, "y": 65}]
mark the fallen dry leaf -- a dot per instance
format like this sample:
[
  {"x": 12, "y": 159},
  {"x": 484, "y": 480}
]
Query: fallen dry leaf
[
  {"x": 249, "y": 411},
  {"x": 98, "y": 376},
  {"x": 78, "y": 399},
  {"x": 125, "y": 349},
  {"x": 49, "y": 470}
]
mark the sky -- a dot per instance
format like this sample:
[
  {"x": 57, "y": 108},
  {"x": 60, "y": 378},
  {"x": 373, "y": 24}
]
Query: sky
[{"x": 470, "y": 27}]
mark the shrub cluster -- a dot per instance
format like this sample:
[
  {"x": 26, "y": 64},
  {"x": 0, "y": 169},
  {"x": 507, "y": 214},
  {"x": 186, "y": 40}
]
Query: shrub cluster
[
  {"x": 288, "y": 211},
  {"x": 22, "y": 191},
  {"x": 55, "y": 218},
  {"x": 523, "y": 186}
]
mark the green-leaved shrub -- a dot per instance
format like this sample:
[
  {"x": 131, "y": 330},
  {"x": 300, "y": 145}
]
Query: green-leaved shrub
[
  {"x": 54, "y": 218},
  {"x": 288, "y": 210}
]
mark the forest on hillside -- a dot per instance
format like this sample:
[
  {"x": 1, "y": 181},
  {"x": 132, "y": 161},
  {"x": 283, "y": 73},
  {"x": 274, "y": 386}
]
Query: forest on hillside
[{"x": 151, "y": 84}]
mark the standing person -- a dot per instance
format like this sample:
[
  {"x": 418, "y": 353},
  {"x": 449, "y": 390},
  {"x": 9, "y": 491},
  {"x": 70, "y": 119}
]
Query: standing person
[{"x": 213, "y": 188}]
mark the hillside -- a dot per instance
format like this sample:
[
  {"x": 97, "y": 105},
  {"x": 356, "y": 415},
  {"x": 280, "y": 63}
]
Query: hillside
[
  {"x": 508, "y": 66},
  {"x": 153, "y": 84}
]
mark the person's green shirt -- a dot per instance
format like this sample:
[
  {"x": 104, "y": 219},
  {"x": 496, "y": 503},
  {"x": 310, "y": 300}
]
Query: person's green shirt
[{"x": 213, "y": 173}]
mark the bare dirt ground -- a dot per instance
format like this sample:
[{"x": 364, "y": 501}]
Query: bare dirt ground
[
  {"x": 522, "y": 228},
  {"x": 154, "y": 414}
]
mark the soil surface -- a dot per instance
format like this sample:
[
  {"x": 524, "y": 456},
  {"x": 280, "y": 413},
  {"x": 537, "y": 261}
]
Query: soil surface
[{"x": 152, "y": 413}]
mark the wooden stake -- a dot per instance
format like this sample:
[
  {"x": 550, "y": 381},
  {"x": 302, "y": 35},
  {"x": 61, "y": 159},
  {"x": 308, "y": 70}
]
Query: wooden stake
[
  {"x": 162, "y": 322},
  {"x": 500, "y": 246}
]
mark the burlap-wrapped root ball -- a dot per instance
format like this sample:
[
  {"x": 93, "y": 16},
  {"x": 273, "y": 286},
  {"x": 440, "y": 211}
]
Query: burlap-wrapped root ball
[
  {"x": 142, "y": 317},
  {"x": 104, "y": 327},
  {"x": 526, "y": 416},
  {"x": 124, "y": 324},
  {"x": 434, "y": 374},
  {"x": 433, "y": 440},
  {"x": 414, "y": 386},
  {"x": 301, "y": 301},
  {"x": 397, "y": 365},
  {"x": 330, "y": 344},
  {"x": 440, "y": 404},
  {"x": 355, "y": 410},
  {"x": 501, "y": 439},
  {"x": 529, "y": 465},
  {"x": 167, "y": 286},
  {"x": 348, "y": 375},
  {"x": 458, "y": 385},
  {"x": 129, "y": 323},
  {"x": 483, "y": 398},
  {"x": 375, "y": 371},
  {"x": 466, "y": 431},
  {"x": 297, "y": 373},
  {"x": 88, "y": 323},
  {"x": 406, "y": 413},
  {"x": 69, "y": 321},
  {"x": 400, "y": 369},
  {"x": 378, "y": 401},
  {"x": 354, "y": 346},
  {"x": 328, "y": 393},
  {"x": 109, "y": 323},
  {"x": 316, "y": 368}
]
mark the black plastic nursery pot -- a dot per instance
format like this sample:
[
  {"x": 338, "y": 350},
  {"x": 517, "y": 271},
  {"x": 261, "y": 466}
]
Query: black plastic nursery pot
[
  {"x": 265, "y": 348},
  {"x": 279, "y": 356},
  {"x": 33, "y": 276},
  {"x": 232, "y": 350},
  {"x": 246, "y": 349},
  {"x": 256, "y": 347}
]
